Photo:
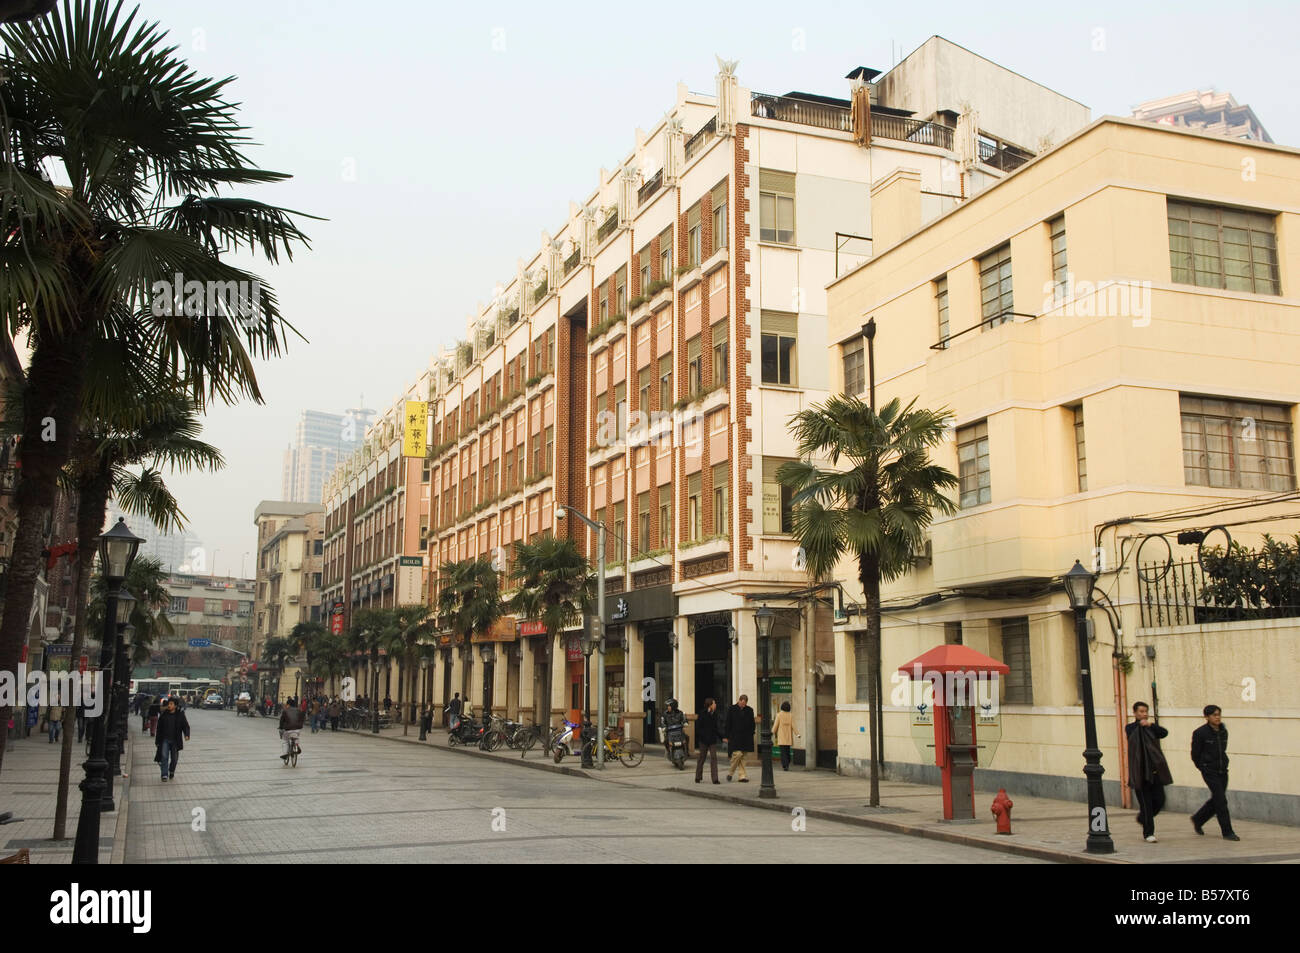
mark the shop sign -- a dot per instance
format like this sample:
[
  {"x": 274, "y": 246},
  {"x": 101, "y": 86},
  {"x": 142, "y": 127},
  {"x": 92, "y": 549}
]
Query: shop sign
[
  {"x": 532, "y": 627},
  {"x": 573, "y": 649}
]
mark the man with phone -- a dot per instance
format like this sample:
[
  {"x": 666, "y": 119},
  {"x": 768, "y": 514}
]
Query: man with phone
[{"x": 1148, "y": 771}]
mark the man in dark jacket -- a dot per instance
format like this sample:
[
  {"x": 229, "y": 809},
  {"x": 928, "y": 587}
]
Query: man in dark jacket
[
  {"x": 1210, "y": 755},
  {"x": 706, "y": 739},
  {"x": 738, "y": 733},
  {"x": 292, "y": 718},
  {"x": 172, "y": 727},
  {"x": 1148, "y": 772}
]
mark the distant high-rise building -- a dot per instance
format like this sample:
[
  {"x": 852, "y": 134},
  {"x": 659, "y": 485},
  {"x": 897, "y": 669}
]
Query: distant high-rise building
[
  {"x": 1207, "y": 110},
  {"x": 177, "y": 552},
  {"x": 320, "y": 442}
]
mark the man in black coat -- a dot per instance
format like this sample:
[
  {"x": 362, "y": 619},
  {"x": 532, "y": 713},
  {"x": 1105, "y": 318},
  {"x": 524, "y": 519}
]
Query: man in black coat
[
  {"x": 1148, "y": 771},
  {"x": 706, "y": 739},
  {"x": 738, "y": 733},
  {"x": 1210, "y": 755},
  {"x": 172, "y": 726}
]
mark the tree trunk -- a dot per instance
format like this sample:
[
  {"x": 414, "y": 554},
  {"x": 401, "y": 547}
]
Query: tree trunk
[
  {"x": 869, "y": 575},
  {"x": 55, "y": 379},
  {"x": 92, "y": 504}
]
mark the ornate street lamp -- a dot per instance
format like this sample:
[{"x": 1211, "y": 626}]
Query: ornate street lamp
[
  {"x": 1078, "y": 586},
  {"x": 115, "y": 709},
  {"x": 763, "y": 620},
  {"x": 117, "y": 549},
  {"x": 487, "y": 654},
  {"x": 587, "y": 642}
]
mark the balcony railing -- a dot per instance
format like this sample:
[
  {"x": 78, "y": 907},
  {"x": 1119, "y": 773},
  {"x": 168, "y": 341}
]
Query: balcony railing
[
  {"x": 785, "y": 109},
  {"x": 911, "y": 130},
  {"x": 1002, "y": 155},
  {"x": 1184, "y": 593},
  {"x": 696, "y": 143},
  {"x": 607, "y": 227},
  {"x": 572, "y": 261},
  {"x": 647, "y": 191}
]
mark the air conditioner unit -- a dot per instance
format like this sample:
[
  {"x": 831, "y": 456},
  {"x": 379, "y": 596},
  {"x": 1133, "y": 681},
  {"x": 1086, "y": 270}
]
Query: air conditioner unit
[{"x": 923, "y": 552}]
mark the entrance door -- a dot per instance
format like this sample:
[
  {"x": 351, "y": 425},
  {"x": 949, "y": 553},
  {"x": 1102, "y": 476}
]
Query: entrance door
[
  {"x": 712, "y": 667},
  {"x": 446, "y": 689}
]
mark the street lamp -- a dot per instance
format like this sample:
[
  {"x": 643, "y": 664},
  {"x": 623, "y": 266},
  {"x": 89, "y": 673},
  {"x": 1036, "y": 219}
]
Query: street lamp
[
  {"x": 487, "y": 654},
  {"x": 763, "y": 620},
  {"x": 1078, "y": 587},
  {"x": 115, "y": 709},
  {"x": 117, "y": 549},
  {"x": 587, "y": 642},
  {"x": 599, "y": 635}
]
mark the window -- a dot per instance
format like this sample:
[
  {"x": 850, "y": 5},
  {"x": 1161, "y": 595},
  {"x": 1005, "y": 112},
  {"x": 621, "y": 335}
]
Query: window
[
  {"x": 777, "y": 347},
  {"x": 855, "y": 381},
  {"x": 1237, "y": 444},
  {"x": 720, "y": 225},
  {"x": 694, "y": 236},
  {"x": 617, "y": 545},
  {"x": 776, "y": 499},
  {"x": 537, "y": 456},
  {"x": 776, "y": 207},
  {"x": 665, "y": 382},
  {"x": 643, "y": 389},
  {"x": 862, "y": 667},
  {"x": 718, "y": 421},
  {"x": 212, "y": 607},
  {"x": 952, "y": 633},
  {"x": 941, "y": 302},
  {"x": 1015, "y": 653},
  {"x": 643, "y": 332},
  {"x": 665, "y": 515},
  {"x": 721, "y": 514},
  {"x": 995, "y": 288},
  {"x": 645, "y": 276},
  {"x": 693, "y": 506},
  {"x": 643, "y": 521},
  {"x": 973, "y": 464},
  {"x": 666, "y": 262},
  {"x": 620, "y": 291},
  {"x": 1060, "y": 273},
  {"x": 550, "y": 448},
  {"x": 694, "y": 366},
  {"x": 510, "y": 471},
  {"x": 1080, "y": 451},
  {"x": 620, "y": 408},
  {"x": 1223, "y": 248},
  {"x": 604, "y": 309},
  {"x": 181, "y": 604}
]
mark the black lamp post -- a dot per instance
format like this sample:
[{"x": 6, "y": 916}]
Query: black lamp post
[
  {"x": 117, "y": 549},
  {"x": 588, "y": 643},
  {"x": 124, "y": 685},
  {"x": 374, "y": 692},
  {"x": 763, "y": 619},
  {"x": 486, "y": 655},
  {"x": 114, "y": 710},
  {"x": 1078, "y": 586}
]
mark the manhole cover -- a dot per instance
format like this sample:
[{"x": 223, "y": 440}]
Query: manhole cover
[{"x": 600, "y": 817}]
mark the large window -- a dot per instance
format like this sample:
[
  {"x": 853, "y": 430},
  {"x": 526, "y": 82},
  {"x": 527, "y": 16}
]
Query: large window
[
  {"x": 665, "y": 382},
  {"x": 693, "y": 522},
  {"x": 996, "y": 304},
  {"x": 778, "y": 347},
  {"x": 643, "y": 389},
  {"x": 941, "y": 304},
  {"x": 776, "y": 207},
  {"x": 1060, "y": 270},
  {"x": 665, "y": 516},
  {"x": 620, "y": 409},
  {"x": 550, "y": 449},
  {"x": 719, "y": 226},
  {"x": 643, "y": 521},
  {"x": 1015, "y": 653},
  {"x": 618, "y": 545},
  {"x": 721, "y": 352},
  {"x": 694, "y": 237},
  {"x": 694, "y": 366},
  {"x": 721, "y": 513},
  {"x": 1080, "y": 449},
  {"x": 973, "y": 464},
  {"x": 1237, "y": 444},
  {"x": 1223, "y": 248},
  {"x": 855, "y": 381},
  {"x": 776, "y": 499}
]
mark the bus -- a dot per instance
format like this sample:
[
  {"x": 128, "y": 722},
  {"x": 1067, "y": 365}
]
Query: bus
[{"x": 193, "y": 690}]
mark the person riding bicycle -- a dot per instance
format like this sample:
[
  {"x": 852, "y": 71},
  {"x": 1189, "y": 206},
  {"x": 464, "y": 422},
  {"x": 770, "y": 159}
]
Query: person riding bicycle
[
  {"x": 291, "y": 722},
  {"x": 673, "y": 717}
]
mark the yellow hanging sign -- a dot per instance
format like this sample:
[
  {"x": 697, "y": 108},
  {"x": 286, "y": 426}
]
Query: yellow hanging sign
[{"x": 415, "y": 425}]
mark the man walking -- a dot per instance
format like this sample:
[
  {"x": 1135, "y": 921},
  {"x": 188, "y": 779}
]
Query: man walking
[
  {"x": 706, "y": 739},
  {"x": 738, "y": 733},
  {"x": 55, "y": 716},
  {"x": 1148, "y": 772},
  {"x": 453, "y": 709},
  {"x": 426, "y": 722},
  {"x": 172, "y": 727},
  {"x": 1210, "y": 755}
]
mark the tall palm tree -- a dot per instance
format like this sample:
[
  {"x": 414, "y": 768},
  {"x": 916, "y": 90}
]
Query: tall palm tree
[
  {"x": 277, "y": 652},
  {"x": 369, "y": 633},
  {"x": 327, "y": 658},
  {"x": 556, "y": 584},
  {"x": 412, "y": 624},
  {"x": 872, "y": 504},
  {"x": 306, "y": 637},
  {"x": 469, "y": 597},
  {"x": 144, "y": 146}
]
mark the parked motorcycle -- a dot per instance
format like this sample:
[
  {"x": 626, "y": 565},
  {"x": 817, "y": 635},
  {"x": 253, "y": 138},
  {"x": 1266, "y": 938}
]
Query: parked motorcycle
[
  {"x": 675, "y": 741},
  {"x": 463, "y": 731},
  {"x": 561, "y": 746}
]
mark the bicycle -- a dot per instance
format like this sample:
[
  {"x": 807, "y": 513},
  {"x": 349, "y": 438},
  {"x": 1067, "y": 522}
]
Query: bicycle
[
  {"x": 294, "y": 749},
  {"x": 617, "y": 748},
  {"x": 495, "y": 736}
]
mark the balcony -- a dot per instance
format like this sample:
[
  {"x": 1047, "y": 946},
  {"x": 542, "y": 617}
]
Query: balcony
[
  {"x": 572, "y": 261},
  {"x": 607, "y": 227},
  {"x": 911, "y": 130},
  {"x": 1001, "y": 155},
  {"x": 786, "y": 109},
  {"x": 1242, "y": 586},
  {"x": 696, "y": 143},
  {"x": 647, "y": 191}
]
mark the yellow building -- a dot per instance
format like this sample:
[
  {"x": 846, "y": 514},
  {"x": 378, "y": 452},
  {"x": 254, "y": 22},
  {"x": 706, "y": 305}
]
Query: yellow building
[
  {"x": 290, "y": 539},
  {"x": 1116, "y": 329}
]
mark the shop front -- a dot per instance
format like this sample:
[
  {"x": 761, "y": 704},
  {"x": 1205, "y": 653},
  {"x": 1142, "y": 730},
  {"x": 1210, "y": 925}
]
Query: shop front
[
  {"x": 639, "y": 653},
  {"x": 713, "y": 634}
]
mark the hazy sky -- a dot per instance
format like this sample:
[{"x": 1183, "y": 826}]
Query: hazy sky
[{"x": 469, "y": 130}]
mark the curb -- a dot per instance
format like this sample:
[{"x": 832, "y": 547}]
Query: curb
[
  {"x": 123, "y": 800},
  {"x": 893, "y": 827}
]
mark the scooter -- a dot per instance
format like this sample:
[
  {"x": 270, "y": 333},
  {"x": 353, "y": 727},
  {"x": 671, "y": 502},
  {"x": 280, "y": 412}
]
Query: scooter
[
  {"x": 561, "y": 746},
  {"x": 675, "y": 740},
  {"x": 462, "y": 731}
]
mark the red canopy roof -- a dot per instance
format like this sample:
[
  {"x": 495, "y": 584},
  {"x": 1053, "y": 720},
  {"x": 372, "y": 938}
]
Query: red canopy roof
[{"x": 953, "y": 658}]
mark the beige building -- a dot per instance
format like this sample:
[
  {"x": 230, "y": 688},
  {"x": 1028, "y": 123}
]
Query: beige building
[
  {"x": 290, "y": 544},
  {"x": 1114, "y": 329}
]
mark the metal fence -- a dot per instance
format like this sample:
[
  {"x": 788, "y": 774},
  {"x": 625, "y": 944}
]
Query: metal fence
[
  {"x": 701, "y": 138},
  {"x": 1183, "y": 593},
  {"x": 911, "y": 130},
  {"x": 784, "y": 109}
]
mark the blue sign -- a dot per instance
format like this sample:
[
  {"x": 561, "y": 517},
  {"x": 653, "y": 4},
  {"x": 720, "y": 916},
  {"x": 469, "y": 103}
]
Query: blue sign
[{"x": 200, "y": 643}]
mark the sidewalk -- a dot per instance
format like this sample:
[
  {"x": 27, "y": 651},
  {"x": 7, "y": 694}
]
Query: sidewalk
[
  {"x": 1044, "y": 828},
  {"x": 29, "y": 786}
]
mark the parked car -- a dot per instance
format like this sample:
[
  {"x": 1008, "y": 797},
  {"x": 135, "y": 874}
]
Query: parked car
[{"x": 214, "y": 701}]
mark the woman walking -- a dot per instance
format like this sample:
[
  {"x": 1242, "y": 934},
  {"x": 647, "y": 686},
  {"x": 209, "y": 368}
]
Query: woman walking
[{"x": 783, "y": 734}]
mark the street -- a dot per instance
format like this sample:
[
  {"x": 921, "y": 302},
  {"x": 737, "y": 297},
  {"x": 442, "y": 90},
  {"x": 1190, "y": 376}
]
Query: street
[{"x": 356, "y": 799}]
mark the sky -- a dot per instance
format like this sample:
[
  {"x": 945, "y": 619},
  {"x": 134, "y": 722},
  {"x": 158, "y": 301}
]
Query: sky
[{"x": 437, "y": 142}]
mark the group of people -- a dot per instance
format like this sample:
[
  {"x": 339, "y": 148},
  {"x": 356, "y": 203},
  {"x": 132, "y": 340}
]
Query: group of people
[
  {"x": 735, "y": 728},
  {"x": 324, "y": 710},
  {"x": 1149, "y": 771}
]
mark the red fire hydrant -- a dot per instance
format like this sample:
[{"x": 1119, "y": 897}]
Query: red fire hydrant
[{"x": 1002, "y": 811}]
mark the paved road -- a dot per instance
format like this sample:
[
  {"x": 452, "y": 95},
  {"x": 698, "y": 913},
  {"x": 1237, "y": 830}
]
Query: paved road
[{"x": 354, "y": 799}]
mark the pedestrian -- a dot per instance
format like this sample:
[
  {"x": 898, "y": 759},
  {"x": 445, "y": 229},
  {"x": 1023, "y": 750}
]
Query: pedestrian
[
  {"x": 335, "y": 709},
  {"x": 1210, "y": 755},
  {"x": 388, "y": 703},
  {"x": 706, "y": 739},
  {"x": 426, "y": 722},
  {"x": 172, "y": 727},
  {"x": 738, "y": 733},
  {"x": 315, "y": 715},
  {"x": 1148, "y": 772},
  {"x": 55, "y": 716},
  {"x": 783, "y": 734},
  {"x": 155, "y": 711},
  {"x": 452, "y": 710}
]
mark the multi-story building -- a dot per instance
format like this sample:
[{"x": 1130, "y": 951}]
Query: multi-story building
[
  {"x": 641, "y": 366},
  {"x": 375, "y": 526},
  {"x": 216, "y": 608},
  {"x": 1207, "y": 110},
  {"x": 177, "y": 552},
  {"x": 1113, "y": 329},
  {"x": 290, "y": 546},
  {"x": 321, "y": 441}
]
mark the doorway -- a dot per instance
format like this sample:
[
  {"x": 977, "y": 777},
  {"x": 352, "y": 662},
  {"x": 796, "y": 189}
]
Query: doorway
[{"x": 713, "y": 666}]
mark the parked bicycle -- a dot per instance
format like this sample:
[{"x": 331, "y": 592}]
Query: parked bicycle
[
  {"x": 617, "y": 748},
  {"x": 494, "y": 735}
]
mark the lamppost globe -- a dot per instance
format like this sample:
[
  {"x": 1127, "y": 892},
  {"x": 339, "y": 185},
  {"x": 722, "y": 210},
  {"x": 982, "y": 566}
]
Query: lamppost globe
[
  {"x": 486, "y": 652},
  {"x": 764, "y": 618},
  {"x": 560, "y": 513},
  {"x": 117, "y": 549},
  {"x": 1078, "y": 586},
  {"x": 125, "y": 603}
]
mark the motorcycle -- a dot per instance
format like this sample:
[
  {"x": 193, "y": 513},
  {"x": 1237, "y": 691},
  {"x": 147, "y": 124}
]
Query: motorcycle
[
  {"x": 561, "y": 746},
  {"x": 463, "y": 731},
  {"x": 675, "y": 741}
]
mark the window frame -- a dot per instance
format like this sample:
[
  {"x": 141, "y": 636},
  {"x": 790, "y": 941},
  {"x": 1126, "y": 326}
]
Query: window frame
[
  {"x": 1190, "y": 272},
  {"x": 997, "y": 309},
  {"x": 973, "y": 435}
]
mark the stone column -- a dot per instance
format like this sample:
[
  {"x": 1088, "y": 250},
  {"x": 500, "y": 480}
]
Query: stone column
[
  {"x": 527, "y": 675},
  {"x": 633, "y": 666},
  {"x": 501, "y": 677}
]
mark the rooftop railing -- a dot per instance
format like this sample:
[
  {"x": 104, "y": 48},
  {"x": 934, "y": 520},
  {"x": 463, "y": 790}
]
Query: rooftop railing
[
  {"x": 697, "y": 142},
  {"x": 785, "y": 109},
  {"x": 647, "y": 191}
]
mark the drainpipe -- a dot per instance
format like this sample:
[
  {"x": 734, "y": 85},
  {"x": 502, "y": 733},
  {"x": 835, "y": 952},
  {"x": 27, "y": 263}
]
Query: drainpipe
[{"x": 1121, "y": 739}]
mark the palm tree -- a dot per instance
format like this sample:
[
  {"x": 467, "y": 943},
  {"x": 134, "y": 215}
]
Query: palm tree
[
  {"x": 277, "y": 652},
  {"x": 469, "y": 596},
  {"x": 875, "y": 510},
  {"x": 306, "y": 639},
  {"x": 411, "y": 623},
  {"x": 556, "y": 584},
  {"x": 145, "y": 146},
  {"x": 370, "y": 632},
  {"x": 327, "y": 658}
]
